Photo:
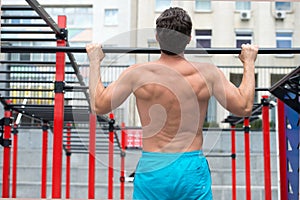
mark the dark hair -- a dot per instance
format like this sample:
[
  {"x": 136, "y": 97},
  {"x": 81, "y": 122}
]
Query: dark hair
[{"x": 173, "y": 28}]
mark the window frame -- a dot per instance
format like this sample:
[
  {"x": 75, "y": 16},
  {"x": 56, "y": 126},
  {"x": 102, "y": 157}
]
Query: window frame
[
  {"x": 198, "y": 8},
  {"x": 242, "y": 2},
  {"x": 284, "y": 38},
  {"x": 243, "y": 36},
  {"x": 106, "y": 17},
  {"x": 203, "y": 37}
]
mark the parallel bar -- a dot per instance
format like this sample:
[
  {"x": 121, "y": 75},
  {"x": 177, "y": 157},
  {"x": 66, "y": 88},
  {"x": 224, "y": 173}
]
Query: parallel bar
[
  {"x": 15, "y": 163},
  {"x": 233, "y": 162},
  {"x": 282, "y": 150},
  {"x": 19, "y": 17},
  {"x": 68, "y": 162},
  {"x": 247, "y": 158},
  {"x": 266, "y": 139},
  {"x": 111, "y": 157},
  {"x": 28, "y": 39},
  {"x": 49, "y": 49},
  {"x": 123, "y": 153},
  {"x": 24, "y": 25},
  {"x": 26, "y": 32},
  {"x": 15, "y": 7},
  {"x": 92, "y": 154},
  {"x": 6, "y": 157},
  {"x": 44, "y": 161},
  {"x": 58, "y": 118},
  {"x": 46, "y": 17}
]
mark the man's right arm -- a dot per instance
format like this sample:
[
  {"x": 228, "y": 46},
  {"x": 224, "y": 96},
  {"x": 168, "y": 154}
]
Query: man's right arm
[{"x": 238, "y": 101}]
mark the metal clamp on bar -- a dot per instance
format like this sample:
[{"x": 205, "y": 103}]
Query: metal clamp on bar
[
  {"x": 63, "y": 35},
  {"x": 45, "y": 127},
  {"x": 265, "y": 102},
  {"x": 122, "y": 179},
  {"x": 15, "y": 131},
  {"x": 5, "y": 142},
  {"x": 233, "y": 156},
  {"x": 7, "y": 121},
  {"x": 59, "y": 87},
  {"x": 246, "y": 129},
  {"x": 111, "y": 123},
  {"x": 68, "y": 153},
  {"x": 123, "y": 154}
]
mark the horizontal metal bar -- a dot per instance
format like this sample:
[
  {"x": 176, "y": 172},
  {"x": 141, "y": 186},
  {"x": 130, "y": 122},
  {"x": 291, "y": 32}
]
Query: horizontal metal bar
[
  {"x": 26, "y": 32},
  {"x": 26, "y": 89},
  {"x": 19, "y": 17},
  {"x": 28, "y": 39},
  {"x": 44, "y": 49},
  {"x": 24, "y": 25},
  {"x": 6, "y": 7},
  {"x": 31, "y": 72},
  {"x": 39, "y": 98}
]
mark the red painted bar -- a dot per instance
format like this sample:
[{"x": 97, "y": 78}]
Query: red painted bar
[
  {"x": 233, "y": 162},
  {"x": 44, "y": 162},
  {"x": 15, "y": 163},
  {"x": 282, "y": 150},
  {"x": 122, "y": 175},
  {"x": 6, "y": 157},
  {"x": 92, "y": 154},
  {"x": 266, "y": 138},
  {"x": 111, "y": 158},
  {"x": 68, "y": 161},
  {"x": 58, "y": 118},
  {"x": 247, "y": 158}
]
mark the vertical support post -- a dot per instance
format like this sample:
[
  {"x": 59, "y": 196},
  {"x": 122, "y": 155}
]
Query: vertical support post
[
  {"x": 68, "y": 161},
  {"x": 45, "y": 128},
  {"x": 6, "y": 152},
  {"x": 247, "y": 157},
  {"x": 92, "y": 154},
  {"x": 15, "y": 162},
  {"x": 266, "y": 138},
  {"x": 123, "y": 154},
  {"x": 111, "y": 156},
  {"x": 58, "y": 115},
  {"x": 233, "y": 161},
  {"x": 282, "y": 150}
]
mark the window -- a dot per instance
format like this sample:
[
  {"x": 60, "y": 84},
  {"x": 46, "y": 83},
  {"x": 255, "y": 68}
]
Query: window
[
  {"x": 203, "y": 5},
  {"x": 111, "y": 17},
  {"x": 161, "y": 5},
  {"x": 242, "y": 5},
  {"x": 203, "y": 38},
  {"x": 283, "y": 6},
  {"x": 284, "y": 39},
  {"x": 243, "y": 37}
]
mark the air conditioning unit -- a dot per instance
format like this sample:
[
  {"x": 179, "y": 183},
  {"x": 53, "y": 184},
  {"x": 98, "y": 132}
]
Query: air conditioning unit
[
  {"x": 280, "y": 14},
  {"x": 245, "y": 15}
]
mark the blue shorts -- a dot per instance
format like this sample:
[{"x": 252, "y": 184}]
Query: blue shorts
[{"x": 172, "y": 176}]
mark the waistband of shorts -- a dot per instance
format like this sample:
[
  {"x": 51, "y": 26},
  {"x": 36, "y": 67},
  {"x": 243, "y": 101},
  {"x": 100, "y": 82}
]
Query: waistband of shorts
[{"x": 176, "y": 154}]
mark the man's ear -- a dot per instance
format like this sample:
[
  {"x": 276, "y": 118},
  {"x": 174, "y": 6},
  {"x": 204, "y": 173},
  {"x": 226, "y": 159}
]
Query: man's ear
[{"x": 190, "y": 39}]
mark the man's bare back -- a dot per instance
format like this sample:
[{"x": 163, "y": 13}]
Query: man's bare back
[{"x": 172, "y": 96}]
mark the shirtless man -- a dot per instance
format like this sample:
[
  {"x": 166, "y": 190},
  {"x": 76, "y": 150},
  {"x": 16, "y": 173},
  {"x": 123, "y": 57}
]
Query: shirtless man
[{"x": 172, "y": 97}]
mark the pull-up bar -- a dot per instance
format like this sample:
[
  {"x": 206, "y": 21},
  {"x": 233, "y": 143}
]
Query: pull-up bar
[{"x": 49, "y": 49}]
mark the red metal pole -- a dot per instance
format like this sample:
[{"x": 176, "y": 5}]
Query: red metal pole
[
  {"x": 282, "y": 150},
  {"x": 247, "y": 158},
  {"x": 266, "y": 138},
  {"x": 92, "y": 154},
  {"x": 58, "y": 116},
  {"x": 6, "y": 153},
  {"x": 122, "y": 175},
  {"x": 44, "y": 161},
  {"x": 233, "y": 162},
  {"x": 111, "y": 156},
  {"x": 68, "y": 161},
  {"x": 15, "y": 162}
]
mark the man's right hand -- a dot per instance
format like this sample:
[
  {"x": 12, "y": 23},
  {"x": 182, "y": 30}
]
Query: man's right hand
[
  {"x": 248, "y": 53},
  {"x": 95, "y": 52}
]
